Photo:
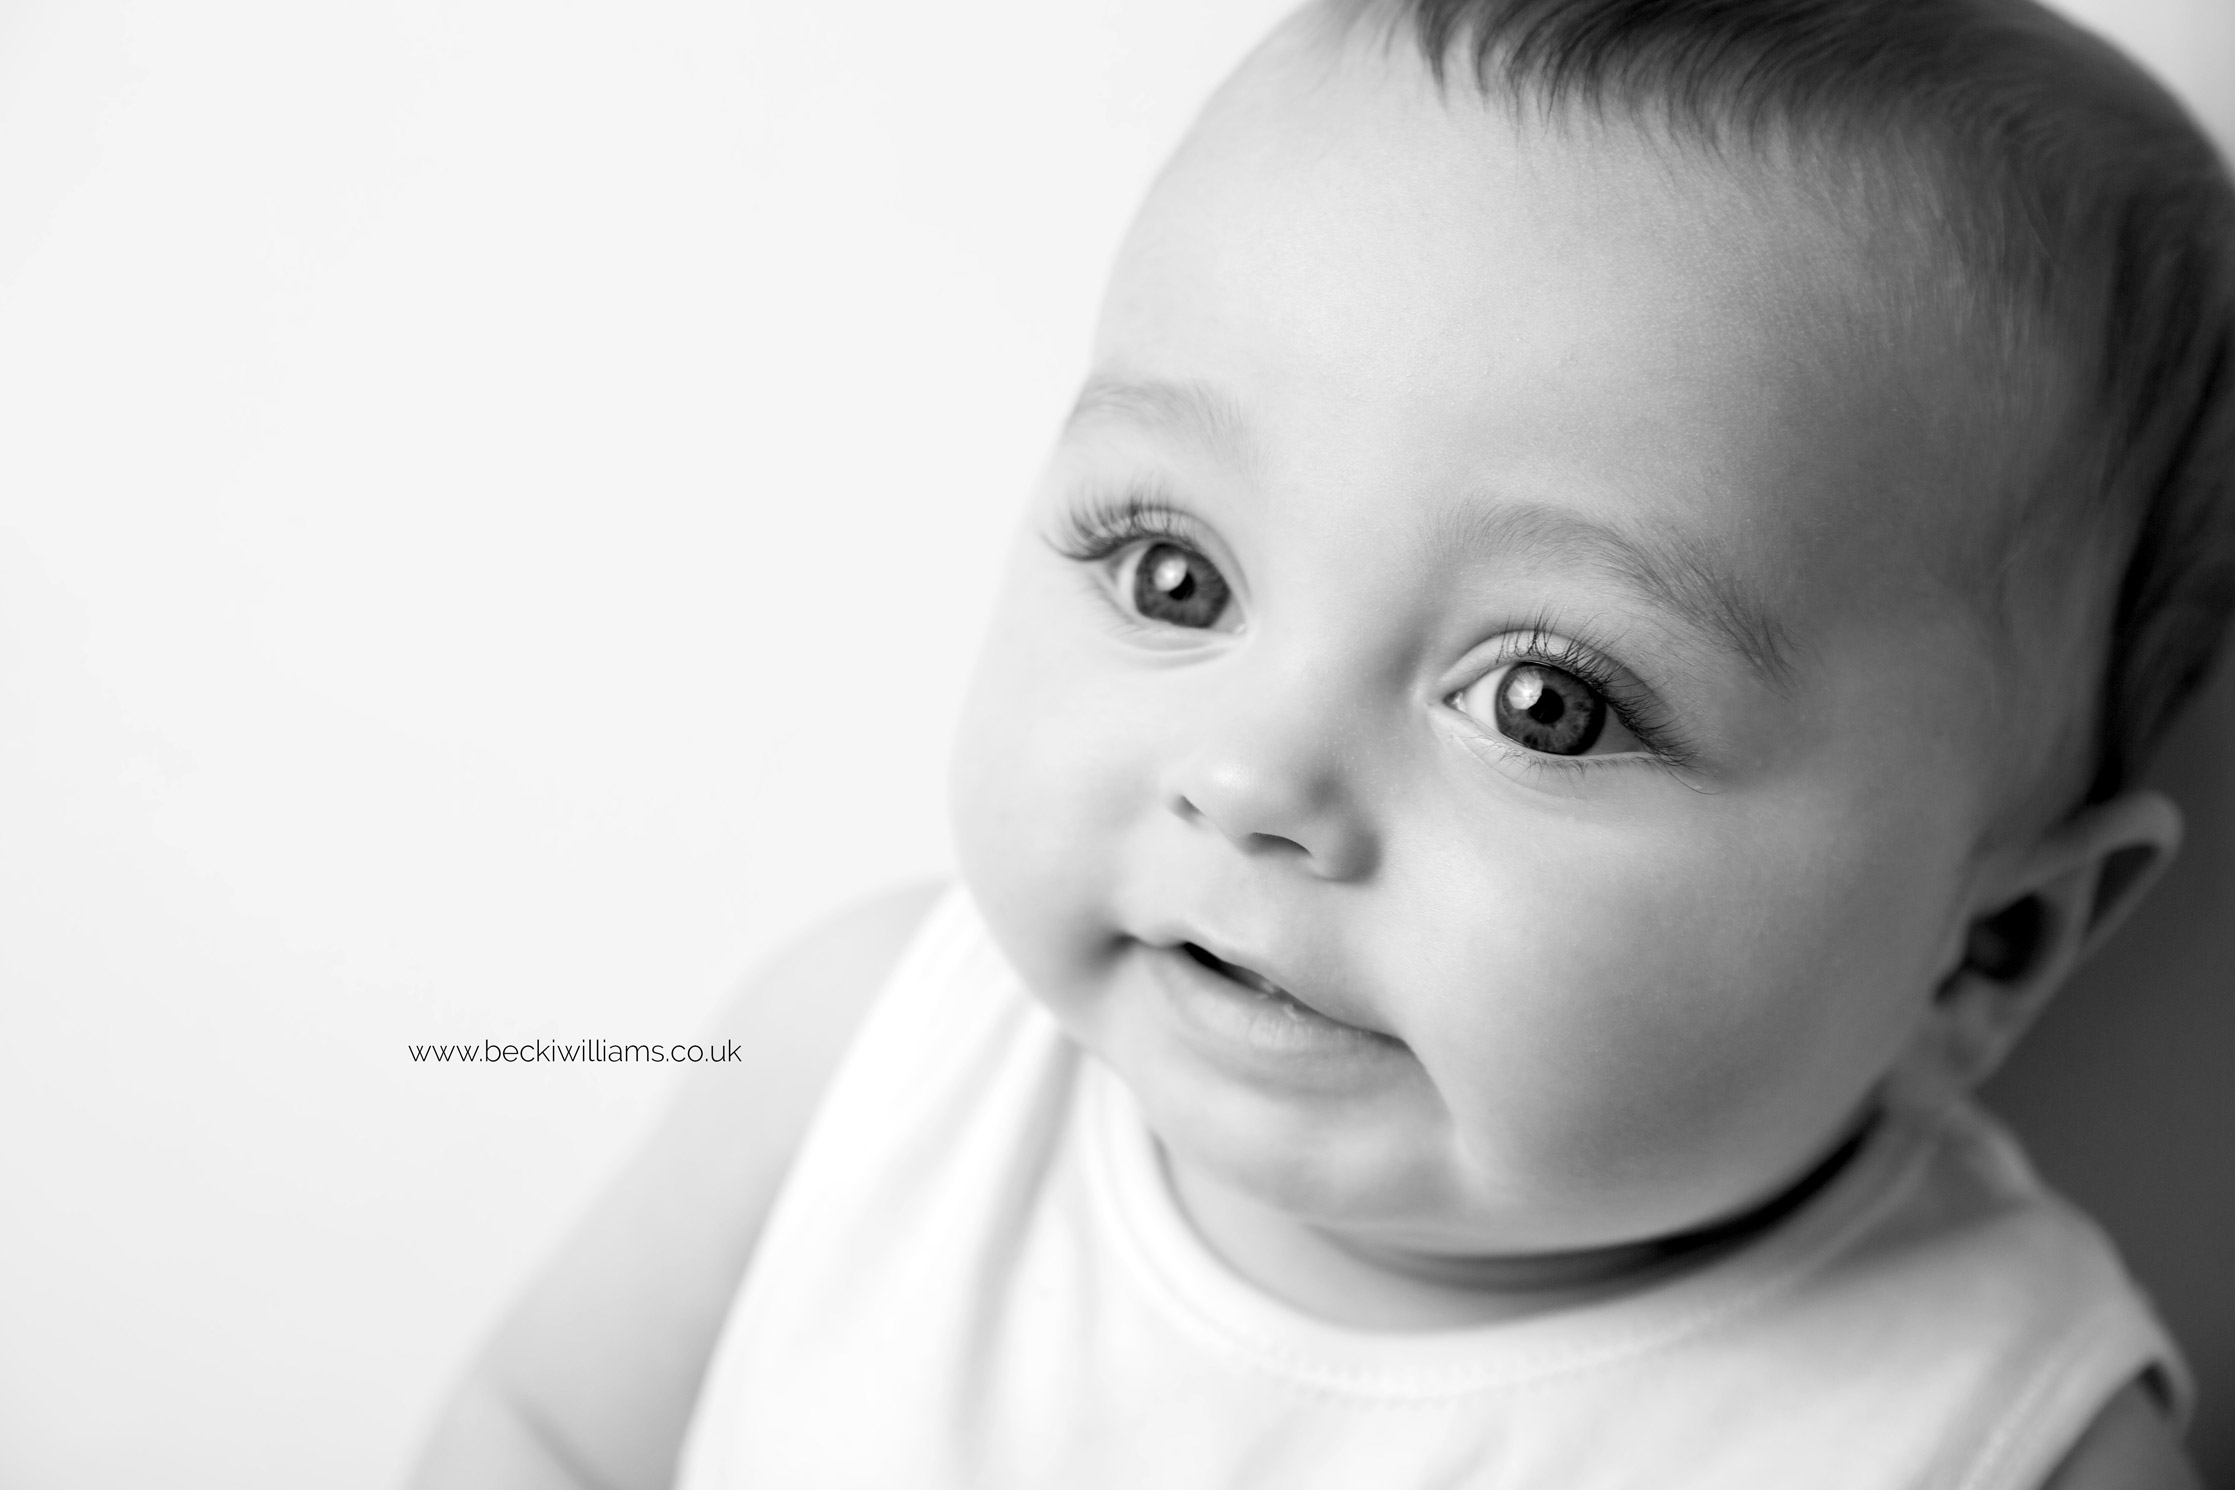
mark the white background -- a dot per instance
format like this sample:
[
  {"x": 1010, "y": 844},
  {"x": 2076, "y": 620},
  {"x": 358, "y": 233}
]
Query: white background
[{"x": 496, "y": 503}]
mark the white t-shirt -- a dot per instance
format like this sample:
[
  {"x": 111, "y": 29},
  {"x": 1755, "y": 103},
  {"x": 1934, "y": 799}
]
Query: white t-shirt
[{"x": 977, "y": 1276}]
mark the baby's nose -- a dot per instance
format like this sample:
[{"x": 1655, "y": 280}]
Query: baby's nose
[{"x": 1274, "y": 776}]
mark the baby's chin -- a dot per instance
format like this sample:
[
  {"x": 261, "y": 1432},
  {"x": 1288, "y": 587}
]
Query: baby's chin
[
  {"x": 1386, "y": 1180},
  {"x": 1365, "y": 1251},
  {"x": 1378, "y": 1174}
]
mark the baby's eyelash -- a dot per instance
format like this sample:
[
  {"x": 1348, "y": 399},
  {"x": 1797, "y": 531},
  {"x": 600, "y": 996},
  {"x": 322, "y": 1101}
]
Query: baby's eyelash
[
  {"x": 1101, "y": 526},
  {"x": 1640, "y": 712}
]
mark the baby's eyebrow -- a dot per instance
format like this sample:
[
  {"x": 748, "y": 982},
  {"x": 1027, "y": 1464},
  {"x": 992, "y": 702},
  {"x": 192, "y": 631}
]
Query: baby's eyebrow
[
  {"x": 1197, "y": 412},
  {"x": 1673, "y": 569}
]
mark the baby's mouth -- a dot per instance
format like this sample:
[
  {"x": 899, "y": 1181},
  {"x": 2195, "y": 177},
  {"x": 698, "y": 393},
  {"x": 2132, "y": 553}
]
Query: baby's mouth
[
  {"x": 1255, "y": 982},
  {"x": 1238, "y": 1003},
  {"x": 1297, "y": 1015}
]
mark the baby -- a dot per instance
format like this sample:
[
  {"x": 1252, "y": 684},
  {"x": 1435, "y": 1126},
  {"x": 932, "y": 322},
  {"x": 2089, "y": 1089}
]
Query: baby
[{"x": 1573, "y": 683}]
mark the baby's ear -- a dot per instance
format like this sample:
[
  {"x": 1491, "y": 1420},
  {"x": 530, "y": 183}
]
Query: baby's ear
[{"x": 2066, "y": 896}]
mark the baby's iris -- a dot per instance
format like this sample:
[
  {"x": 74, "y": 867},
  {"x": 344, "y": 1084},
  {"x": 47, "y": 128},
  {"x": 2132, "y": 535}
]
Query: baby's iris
[
  {"x": 1549, "y": 710},
  {"x": 1178, "y": 587}
]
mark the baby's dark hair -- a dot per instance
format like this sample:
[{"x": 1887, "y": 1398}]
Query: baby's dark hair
[{"x": 2067, "y": 183}]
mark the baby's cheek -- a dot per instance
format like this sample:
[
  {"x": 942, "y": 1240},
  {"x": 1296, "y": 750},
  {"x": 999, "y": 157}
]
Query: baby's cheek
[
  {"x": 1672, "y": 1015},
  {"x": 1042, "y": 769},
  {"x": 1791, "y": 979},
  {"x": 1620, "y": 1052}
]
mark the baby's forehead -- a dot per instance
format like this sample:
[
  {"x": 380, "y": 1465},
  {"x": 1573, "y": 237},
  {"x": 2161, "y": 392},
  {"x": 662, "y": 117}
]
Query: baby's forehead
[{"x": 1382, "y": 277}]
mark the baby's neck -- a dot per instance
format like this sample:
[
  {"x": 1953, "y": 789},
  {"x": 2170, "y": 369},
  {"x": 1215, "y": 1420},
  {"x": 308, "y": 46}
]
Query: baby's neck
[{"x": 1368, "y": 1286}]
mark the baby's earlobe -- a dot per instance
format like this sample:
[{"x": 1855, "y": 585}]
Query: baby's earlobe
[{"x": 2011, "y": 958}]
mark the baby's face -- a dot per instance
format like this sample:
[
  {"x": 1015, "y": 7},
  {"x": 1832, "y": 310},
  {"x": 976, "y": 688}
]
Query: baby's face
[{"x": 1489, "y": 592}]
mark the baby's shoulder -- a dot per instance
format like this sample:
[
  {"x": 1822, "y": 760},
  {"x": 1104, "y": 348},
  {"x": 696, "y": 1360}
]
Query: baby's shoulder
[
  {"x": 2001, "y": 1319},
  {"x": 2131, "y": 1445},
  {"x": 594, "y": 1371}
]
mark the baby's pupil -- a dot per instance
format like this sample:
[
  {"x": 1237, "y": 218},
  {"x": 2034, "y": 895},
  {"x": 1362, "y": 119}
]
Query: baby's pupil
[
  {"x": 1172, "y": 577},
  {"x": 1546, "y": 707},
  {"x": 1179, "y": 587},
  {"x": 1550, "y": 710}
]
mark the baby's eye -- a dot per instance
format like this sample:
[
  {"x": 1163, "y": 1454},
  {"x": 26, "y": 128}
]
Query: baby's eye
[
  {"x": 1173, "y": 584},
  {"x": 1546, "y": 709}
]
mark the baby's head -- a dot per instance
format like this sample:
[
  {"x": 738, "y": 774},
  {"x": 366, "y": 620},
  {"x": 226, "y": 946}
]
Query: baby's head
[{"x": 1621, "y": 555}]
